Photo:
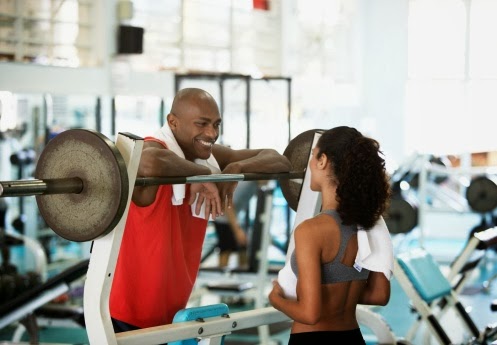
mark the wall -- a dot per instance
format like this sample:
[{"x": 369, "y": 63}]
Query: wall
[{"x": 384, "y": 71}]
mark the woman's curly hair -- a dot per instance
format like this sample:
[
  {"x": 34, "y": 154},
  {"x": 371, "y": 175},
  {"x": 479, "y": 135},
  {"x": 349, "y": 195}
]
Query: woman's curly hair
[{"x": 363, "y": 188}]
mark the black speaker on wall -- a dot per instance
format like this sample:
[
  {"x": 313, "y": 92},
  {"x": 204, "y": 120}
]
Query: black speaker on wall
[{"x": 130, "y": 39}]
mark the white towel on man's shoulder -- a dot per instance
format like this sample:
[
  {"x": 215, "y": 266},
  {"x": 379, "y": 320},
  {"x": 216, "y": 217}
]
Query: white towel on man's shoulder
[{"x": 166, "y": 135}]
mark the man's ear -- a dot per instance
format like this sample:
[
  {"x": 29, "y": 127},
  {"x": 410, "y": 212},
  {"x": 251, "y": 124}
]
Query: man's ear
[{"x": 172, "y": 120}]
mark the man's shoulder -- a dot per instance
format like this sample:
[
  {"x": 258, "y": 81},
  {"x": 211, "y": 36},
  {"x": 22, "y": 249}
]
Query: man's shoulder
[{"x": 154, "y": 142}]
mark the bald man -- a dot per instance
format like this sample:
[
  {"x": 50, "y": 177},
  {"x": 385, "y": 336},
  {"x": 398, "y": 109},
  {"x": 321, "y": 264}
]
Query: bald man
[{"x": 161, "y": 247}]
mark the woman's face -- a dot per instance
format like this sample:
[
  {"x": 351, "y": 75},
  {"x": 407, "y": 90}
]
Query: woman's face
[
  {"x": 315, "y": 171},
  {"x": 321, "y": 171}
]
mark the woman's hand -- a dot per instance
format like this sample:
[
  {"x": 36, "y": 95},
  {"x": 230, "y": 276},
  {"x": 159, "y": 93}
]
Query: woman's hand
[
  {"x": 275, "y": 294},
  {"x": 208, "y": 194}
]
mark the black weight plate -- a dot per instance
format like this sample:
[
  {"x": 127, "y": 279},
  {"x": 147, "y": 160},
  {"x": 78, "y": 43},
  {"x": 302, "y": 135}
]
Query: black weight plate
[
  {"x": 297, "y": 151},
  {"x": 482, "y": 194},
  {"x": 401, "y": 216}
]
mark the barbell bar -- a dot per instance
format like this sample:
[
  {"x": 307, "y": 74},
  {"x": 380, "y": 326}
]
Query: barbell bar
[
  {"x": 81, "y": 184},
  {"x": 75, "y": 184},
  {"x": 40, "y": 187}
]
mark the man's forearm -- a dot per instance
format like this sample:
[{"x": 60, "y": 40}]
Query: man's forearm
[
  {"x": 266, "y": 161},
  {"x": 159, "y": 163}
]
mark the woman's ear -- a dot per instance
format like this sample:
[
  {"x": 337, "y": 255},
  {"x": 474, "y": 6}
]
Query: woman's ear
[{"x": 322, "y": 161}]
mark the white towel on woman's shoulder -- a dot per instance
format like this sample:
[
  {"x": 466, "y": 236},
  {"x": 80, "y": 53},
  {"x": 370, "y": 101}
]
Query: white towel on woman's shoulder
[
  {"x": 375, "y": 253},
  {"x": 166, "y": 135},
  {"x": 375, "y": 249}
]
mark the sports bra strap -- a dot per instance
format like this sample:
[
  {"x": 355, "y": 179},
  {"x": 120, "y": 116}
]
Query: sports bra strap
[{"x": 345, "y": 235}]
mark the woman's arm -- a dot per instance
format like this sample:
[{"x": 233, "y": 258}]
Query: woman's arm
[
  {"x": 377, "y": 291},
  {"x": 307, "y": 308}
]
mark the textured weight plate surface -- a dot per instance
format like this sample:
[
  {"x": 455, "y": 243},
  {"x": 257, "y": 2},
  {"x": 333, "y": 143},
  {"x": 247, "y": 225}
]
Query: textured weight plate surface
[
  {"x": 297, "y": 152},
  {"x": 482, "y": 194},
  {"x": 97, "y": 209}
]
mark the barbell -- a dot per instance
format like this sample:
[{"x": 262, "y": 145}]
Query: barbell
[{"x": 81, "y": 183}]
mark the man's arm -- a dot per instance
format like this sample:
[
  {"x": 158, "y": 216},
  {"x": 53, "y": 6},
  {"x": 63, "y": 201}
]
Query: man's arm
[
  {"x": 246, "y": 161},
  {"x": 156, "y": 161}
]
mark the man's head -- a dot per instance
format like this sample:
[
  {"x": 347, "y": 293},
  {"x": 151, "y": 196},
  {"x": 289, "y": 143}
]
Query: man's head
[{"x": 194, "y": 120}]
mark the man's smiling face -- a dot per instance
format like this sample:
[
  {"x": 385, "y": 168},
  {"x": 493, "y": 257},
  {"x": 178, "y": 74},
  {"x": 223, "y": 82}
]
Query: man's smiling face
[{"x": 196, "y": 127}]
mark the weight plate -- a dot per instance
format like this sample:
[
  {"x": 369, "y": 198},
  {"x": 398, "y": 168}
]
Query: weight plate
[
  {"x": 97, "y": 209},
  {"x": 297, "y": 152},
  {"x": 482, "y": 194},
  {"x": 401, "y": 216}
]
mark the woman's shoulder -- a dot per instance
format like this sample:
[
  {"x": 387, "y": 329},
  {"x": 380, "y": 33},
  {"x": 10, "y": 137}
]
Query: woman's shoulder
[{"x": 318, "y": 224}]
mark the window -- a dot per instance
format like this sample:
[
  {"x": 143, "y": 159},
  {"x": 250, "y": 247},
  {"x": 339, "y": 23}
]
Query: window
[
  {"x": 48, "y": 32},
  {"x": 209, "y": 35},
  {"x": 452, "y": 69}
]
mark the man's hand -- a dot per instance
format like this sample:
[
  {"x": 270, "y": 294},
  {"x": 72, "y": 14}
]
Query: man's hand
[
  {"x": 208, "y": 194},
  {"x": 226, "y": 190}
]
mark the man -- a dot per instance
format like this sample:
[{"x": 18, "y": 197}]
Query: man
[{"x": 161, "y": 247}]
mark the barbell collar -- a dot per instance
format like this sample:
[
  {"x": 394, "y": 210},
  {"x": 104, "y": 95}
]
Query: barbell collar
[{"x": 75, "y": 185}]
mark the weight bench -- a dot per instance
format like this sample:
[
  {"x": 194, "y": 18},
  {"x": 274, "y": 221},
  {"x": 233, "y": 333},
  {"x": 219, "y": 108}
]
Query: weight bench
[
  {"x": 463, "y": 266},
  {"x": 470, "y": 257},
  {"x": 24, "y": 307},
  {"x": 420, "y": 277},
  {"x": 381, "y": 331},
  {"x": 199, "y": 314}
]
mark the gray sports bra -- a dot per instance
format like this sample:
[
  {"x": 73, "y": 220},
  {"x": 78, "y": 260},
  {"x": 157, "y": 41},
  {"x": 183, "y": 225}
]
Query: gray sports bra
[{"x": 335, "y": 271}]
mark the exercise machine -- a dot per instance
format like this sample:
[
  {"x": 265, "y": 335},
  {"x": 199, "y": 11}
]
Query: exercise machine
[{"x": 429, "y": 292}]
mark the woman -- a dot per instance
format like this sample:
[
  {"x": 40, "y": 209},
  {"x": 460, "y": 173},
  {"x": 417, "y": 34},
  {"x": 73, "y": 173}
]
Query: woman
[{"x": 349, "y": 172}]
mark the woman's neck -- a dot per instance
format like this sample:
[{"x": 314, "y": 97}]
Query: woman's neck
[{"x": 328, "y": 200}]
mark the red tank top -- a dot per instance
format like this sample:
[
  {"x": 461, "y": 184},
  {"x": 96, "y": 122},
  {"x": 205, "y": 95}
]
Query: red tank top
[{"x": 158, "y": 261}]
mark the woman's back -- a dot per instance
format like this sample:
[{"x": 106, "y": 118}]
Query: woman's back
[{"x": 338, "y": 299}]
